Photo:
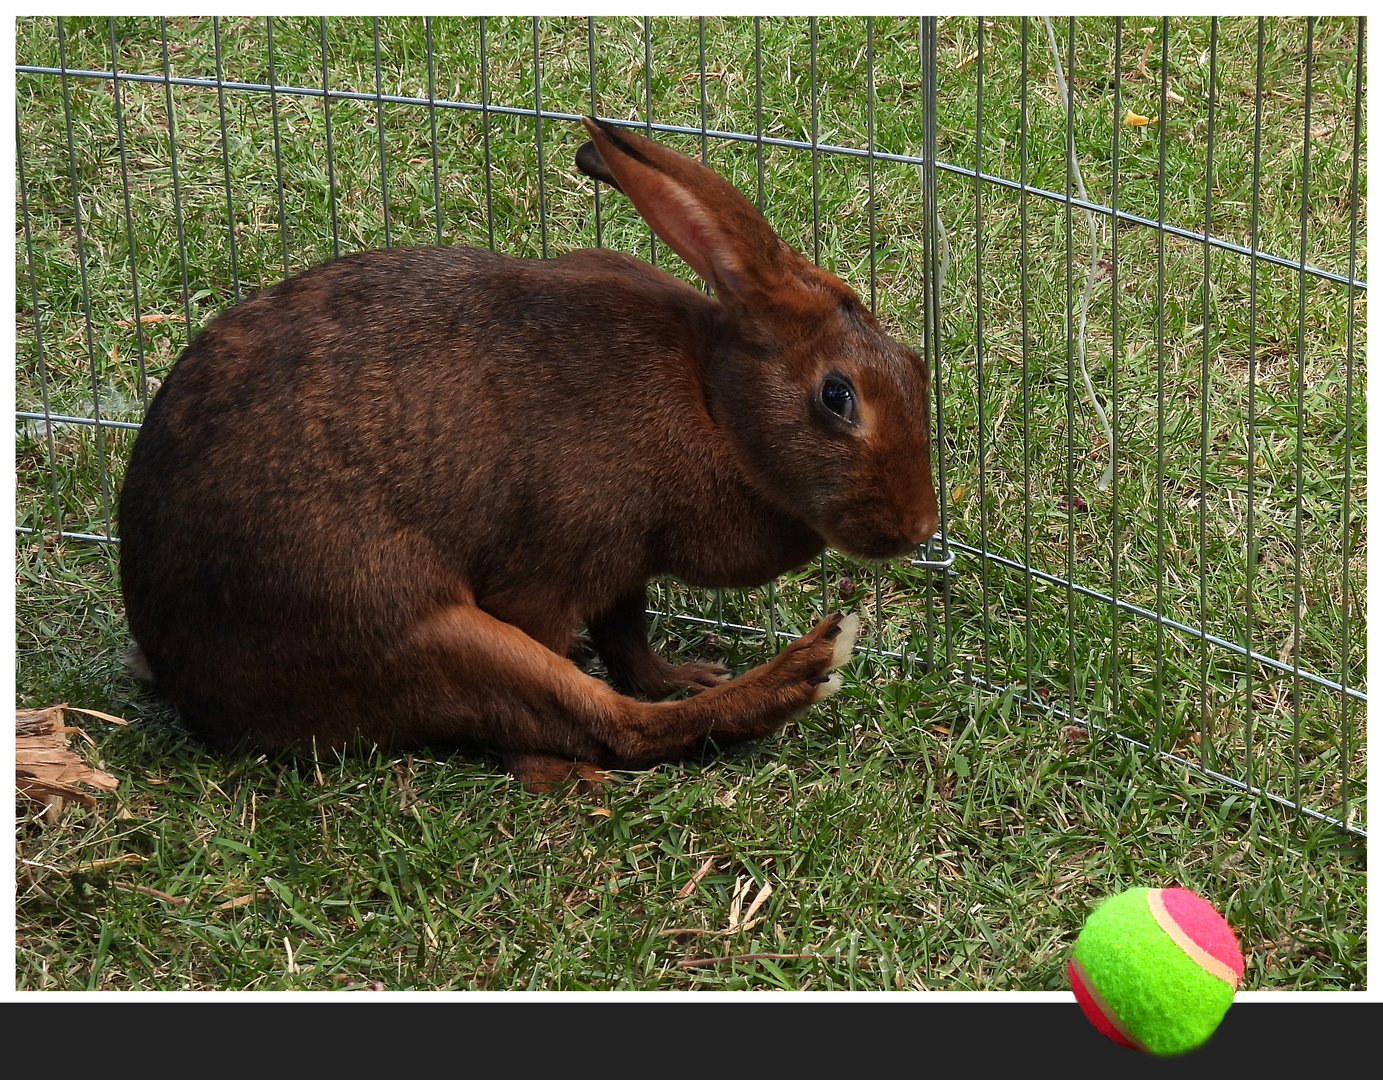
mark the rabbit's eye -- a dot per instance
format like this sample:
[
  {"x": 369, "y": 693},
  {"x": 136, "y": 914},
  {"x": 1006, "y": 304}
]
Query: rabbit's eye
[{"x": 839, "y": 397}]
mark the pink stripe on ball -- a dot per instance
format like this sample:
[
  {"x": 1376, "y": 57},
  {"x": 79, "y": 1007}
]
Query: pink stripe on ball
[
  {"x": 1206, "y": 931},
  {"x": 1097, "y": 1010}
]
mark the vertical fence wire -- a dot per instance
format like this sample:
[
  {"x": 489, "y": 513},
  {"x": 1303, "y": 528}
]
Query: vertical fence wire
[
  {"x": 1069, "y": 223},
  {"x": 772, "y": 588},
  {"x": 1025, "y": 358},
  {"x": 1160, "y": 345},
  {"x": 758, "y": 114},
  {"x": 1251, "y": 560},
  {"x": 485, "y": 137},
  {"x": 278, "y": 140},
  {"x": 814, "y": 98},
  {"x": 331, "y": 158},
  {"x": 116, "y": 99},
  {"x": 1114, "y": 703},
  {"x": 870, "y": 150},
  {"x": 1202, "y": 510},
  {"x": 225, "y": 157},
  {"x": 981, "y": 400},
  {"x": 176, "y": 179},
  {"x": 432, "y": 124},
  {"x": 1298, "y": 592},
  {"x": 55, "y": 507},
  {"x": 648, "y": 114},
  {"x": 933, "y": 282},
  {"x": 1348, "y": 533},
  {"x": 379, "y": 131},
  {"x": 701, "y": 85},
  {"x": 595, "y": 111},
  {"x": 538, "y": 138},
  {"x": 79, "y": 230},
  {"x": 869, "y": 159}
]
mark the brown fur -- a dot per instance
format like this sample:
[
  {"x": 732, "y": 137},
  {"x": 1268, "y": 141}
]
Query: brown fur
[{"x": 378, "y": 499}]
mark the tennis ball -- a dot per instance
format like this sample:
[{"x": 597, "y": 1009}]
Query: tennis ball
[{"x": 1155, "y": 969}]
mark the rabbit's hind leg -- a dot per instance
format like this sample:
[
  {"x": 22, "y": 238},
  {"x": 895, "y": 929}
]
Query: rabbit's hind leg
[
  {"x": 758, "y": 702},
  {"x": 620, "y": 635},
  {"x": 471, "y": 677}
]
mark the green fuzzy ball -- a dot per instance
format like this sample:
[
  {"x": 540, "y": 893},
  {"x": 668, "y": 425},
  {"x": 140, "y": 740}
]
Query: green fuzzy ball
[{"x": 1156, "y": 969}]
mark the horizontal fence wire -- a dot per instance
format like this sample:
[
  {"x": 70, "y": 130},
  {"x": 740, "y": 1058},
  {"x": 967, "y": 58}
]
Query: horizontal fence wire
[
  {"x": 969, "y": 677},
  {"x": 968, "y": 188},
  {"x": 713, "y": 133}
]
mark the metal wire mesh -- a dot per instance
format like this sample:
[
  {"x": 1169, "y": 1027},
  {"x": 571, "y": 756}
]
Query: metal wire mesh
[{"x": 1207, "y": 603}]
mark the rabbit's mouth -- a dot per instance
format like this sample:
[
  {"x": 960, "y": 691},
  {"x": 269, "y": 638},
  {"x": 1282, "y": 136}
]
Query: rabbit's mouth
[
  {"x": 875, "y": 529},
  {"x": 877, "y": 545}
]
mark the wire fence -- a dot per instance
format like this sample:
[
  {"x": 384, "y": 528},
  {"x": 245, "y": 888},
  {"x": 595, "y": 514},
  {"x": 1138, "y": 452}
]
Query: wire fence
[{"x": 1132, "y": 252}]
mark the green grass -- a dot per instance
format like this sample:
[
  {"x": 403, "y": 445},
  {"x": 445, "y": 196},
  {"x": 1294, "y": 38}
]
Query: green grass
[
  {"x": 915, "y": 837},
  {"x": 917, "y": 832}
]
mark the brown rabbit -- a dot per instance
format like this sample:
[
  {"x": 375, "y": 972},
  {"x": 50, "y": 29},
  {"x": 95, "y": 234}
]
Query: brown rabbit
[{"x": 377, "y": 500}]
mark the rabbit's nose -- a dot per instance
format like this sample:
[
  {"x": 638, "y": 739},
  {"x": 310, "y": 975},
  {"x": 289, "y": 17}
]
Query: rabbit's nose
[{"x": 923, "y": 527}]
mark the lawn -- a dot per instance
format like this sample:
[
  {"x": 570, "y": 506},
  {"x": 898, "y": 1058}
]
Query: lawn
[{"x": 1010, "y": 745}]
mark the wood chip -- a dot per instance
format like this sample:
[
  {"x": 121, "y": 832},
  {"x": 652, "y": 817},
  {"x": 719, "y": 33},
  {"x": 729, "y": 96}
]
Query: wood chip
[{"x": 46, "y": 769}]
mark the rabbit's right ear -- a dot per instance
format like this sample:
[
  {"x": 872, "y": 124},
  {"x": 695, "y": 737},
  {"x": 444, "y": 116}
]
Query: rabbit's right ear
[{"x": 719, "y": 232}]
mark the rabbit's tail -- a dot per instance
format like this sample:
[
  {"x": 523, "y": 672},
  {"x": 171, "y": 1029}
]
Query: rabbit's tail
[{"x": 137, "y": 665}]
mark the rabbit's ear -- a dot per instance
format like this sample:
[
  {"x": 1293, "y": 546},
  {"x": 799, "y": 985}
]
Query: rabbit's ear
[
  {"x": 719, "y": 232},
  {"x": 589, "y": 161}
]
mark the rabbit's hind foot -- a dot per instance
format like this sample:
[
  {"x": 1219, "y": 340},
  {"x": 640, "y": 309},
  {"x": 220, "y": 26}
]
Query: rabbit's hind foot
[
  {"x": 540, "y": 773},
  {"x": 841, "y": 630}
]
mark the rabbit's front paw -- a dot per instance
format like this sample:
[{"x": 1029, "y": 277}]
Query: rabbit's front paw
[
  {"x": 581, "y": 652},
  {"x": 696, "y": 676},
  {"x": 649, "y": 676}
]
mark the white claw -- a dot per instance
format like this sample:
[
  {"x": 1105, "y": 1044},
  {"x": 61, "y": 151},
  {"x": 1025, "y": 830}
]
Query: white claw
[
  {"x": 826, "y": 689},
  {"x": 845, "y": 641}
]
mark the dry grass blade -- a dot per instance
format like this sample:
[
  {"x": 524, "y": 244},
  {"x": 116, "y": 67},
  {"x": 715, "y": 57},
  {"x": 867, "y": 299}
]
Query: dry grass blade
[
  {"x": 98, "y": 713},
  {"x": 158, "y": 894},
  {"x": 754, "y": 905},
  {"x": 241, "y": 901},
  {"x": 690, "y": 887},
  {"x": 747, "y": 956},
  {"x": 106, "y": 864},
  {"x": 736, "y": 901}
]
